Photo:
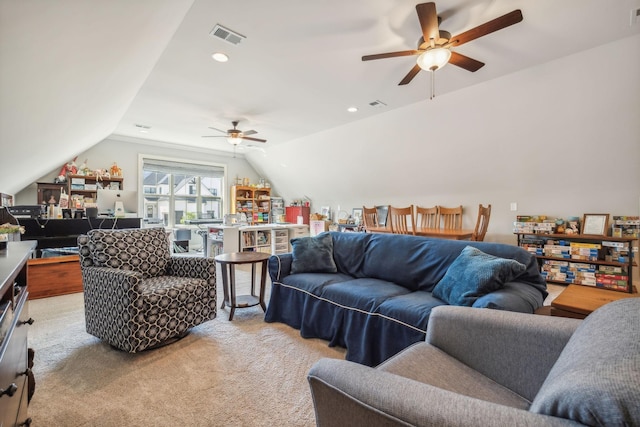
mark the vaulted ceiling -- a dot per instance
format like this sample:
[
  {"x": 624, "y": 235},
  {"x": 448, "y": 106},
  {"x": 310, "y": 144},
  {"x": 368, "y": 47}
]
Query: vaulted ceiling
[{"x": 75, "y": 72}]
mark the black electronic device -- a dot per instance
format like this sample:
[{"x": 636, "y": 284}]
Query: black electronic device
[{"x": 26, "y": 211}]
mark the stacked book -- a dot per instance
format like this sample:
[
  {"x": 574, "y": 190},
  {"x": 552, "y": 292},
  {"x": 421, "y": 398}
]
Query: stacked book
[
  {"x": 626, "y": 226},
  {"x": 532, "y": 245},
  {"x": 569, "y": 272},
  {"x": 524, "y": 227},
  {"x": 617, "y": 251},
  {"x": 557, "y": 248},
  {"x": 585, "y": 251},
  {"x": 611, "y": 277}
]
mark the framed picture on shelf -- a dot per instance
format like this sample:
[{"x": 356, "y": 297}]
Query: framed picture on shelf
[
  {"x": 595, "y": 224},
  {"x": 356, "y": 214},
  {"x": 326, "y": 211}
]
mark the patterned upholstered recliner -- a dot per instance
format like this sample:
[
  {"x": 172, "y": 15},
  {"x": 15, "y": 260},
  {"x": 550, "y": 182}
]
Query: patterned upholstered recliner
[{"x": 136, "y": 294}]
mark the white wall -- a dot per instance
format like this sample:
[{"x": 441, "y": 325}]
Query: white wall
[
  {"x": 560, "y": 139},
  {"x": 125, "y": 153}
]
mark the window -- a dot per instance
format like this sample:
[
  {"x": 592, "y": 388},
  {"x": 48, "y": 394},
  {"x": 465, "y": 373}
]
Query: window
[{"x": 181, "y": 193}]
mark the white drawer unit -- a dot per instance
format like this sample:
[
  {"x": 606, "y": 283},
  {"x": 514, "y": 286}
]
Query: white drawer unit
[
  {"x": 297, "y": 231},
  {"x": 279, "y": 241}
]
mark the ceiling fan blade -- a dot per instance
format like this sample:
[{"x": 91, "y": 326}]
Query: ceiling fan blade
[
  {"x": 219, "y": 130},
  {"x": 249, "y": 132},
  {"x": 407, "y": 79},
  {"x": 488, "y": 28},
  {"x": 391, "y": 54},
  {"x": 253, "y": 139},
  {"x": 465, "y": 62},
  {"x": 428, "y": 21}
]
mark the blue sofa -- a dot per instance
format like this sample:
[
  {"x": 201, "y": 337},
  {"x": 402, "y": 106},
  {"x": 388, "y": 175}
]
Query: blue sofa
[{"x": 376, "y": 298}]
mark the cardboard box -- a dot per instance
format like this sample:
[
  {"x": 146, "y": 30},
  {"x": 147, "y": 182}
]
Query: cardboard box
[{"x": 317, "y": 227}]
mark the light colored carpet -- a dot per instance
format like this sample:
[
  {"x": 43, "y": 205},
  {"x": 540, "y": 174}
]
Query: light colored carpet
[{"x": 241, "y": 373}]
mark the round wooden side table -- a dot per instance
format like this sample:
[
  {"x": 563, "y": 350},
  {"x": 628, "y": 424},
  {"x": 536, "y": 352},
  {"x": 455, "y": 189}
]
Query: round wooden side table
[{"x": 228, "y": 263}]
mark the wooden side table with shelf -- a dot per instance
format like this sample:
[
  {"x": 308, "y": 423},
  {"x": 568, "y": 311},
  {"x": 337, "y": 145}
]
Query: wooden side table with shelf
[{"x": 228, "y": 263}]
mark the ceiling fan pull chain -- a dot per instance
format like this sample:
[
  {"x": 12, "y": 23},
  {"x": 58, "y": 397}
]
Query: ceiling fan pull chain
[{"x": 433, "y": 84}]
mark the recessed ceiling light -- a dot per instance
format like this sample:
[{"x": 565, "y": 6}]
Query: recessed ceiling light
[
  {"x": 220, "y": 57},
  {"x": 352, "y": 109}
]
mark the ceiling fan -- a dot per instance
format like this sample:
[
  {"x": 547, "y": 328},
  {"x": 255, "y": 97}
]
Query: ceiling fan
[
  {"x": 235, "y": 136},
  {"x": 434, "y": 47}
]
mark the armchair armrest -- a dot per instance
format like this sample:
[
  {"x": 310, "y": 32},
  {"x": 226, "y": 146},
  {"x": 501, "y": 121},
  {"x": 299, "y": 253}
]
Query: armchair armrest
[
  {"x": 347, "y": 393},
  {"x": 516, "y": 350},
  {"x": 113, "y": 303},
  {"x": 280, "y": 266},
  {"x": 94, "y": 280},
  {"x": 195, "y": 267}
]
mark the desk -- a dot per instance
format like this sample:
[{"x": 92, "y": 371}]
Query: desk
[
  {"x": 228, "y": 264},
  {"x": 461, "y": 234},
  {"x": 579, "y": 301}
]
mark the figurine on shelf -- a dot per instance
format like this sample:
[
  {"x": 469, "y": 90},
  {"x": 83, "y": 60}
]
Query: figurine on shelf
[
  {"x": 115, "y": 170},
  {"x": 84, "y": 169},
  {"x": 101, "y": 174},
  {"x": 69, "y": 168}
]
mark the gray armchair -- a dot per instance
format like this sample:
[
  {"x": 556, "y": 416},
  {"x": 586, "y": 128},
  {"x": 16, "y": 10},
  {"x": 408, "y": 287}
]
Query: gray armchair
[
  {"x": 498, "y": 368},
  {"x": 137, "y": 296}
]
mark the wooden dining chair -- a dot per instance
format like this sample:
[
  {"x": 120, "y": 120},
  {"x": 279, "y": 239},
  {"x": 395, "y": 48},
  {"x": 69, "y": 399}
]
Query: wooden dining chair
[
  {"x": 370, "y": 218},
  {"x": 451, "y": 218},
  {"x": 401, "y": 220},
  {"x": 482, "y": 223},
  {"x": 427, "y": 217}
]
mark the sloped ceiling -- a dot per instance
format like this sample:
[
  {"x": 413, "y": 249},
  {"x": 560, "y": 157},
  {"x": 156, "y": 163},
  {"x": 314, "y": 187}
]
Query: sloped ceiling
[
  {"x": 69, "y": 71},
  {"x": 74, "y": 72}
]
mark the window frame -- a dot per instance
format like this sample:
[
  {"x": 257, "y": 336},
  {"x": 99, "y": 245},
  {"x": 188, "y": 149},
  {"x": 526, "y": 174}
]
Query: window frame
[{"x": 145, "y": 159}]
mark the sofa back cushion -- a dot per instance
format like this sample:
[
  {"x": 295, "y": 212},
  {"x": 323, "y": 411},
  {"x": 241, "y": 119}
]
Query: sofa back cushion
[
  {"x": 417, "y": 263},
  {"x": 313, "y": 254},
  {"x": 143, "y": 250},
  {"x": 596, "y": 379}
]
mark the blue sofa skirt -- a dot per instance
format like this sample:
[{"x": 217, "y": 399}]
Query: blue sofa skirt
[{"x": 373, "y": 319}]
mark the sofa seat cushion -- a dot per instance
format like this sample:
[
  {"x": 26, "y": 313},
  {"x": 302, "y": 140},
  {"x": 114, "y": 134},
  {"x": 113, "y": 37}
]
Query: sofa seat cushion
[
  {"x": 314, "y": 283},
  {"x": 145, "y": 251},
  {"x": 595, "y": 379},
  {"x": 361, "y": 294},
  {"x": 427, "y": 364},
  {"x": 411, "y": 309}
]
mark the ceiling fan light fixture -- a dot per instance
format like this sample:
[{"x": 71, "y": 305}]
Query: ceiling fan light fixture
[
  {"x": 434, "y": 59},
  {"x": 234, "y": 139}
]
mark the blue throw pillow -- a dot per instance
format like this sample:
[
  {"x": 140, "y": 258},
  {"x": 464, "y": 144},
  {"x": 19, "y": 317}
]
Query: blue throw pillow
[
  {"x": 313, "y": 254},
  {"x": 474, "y": 274}
]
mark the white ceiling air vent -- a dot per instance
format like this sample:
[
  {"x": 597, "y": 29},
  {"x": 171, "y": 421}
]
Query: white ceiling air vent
[
  {"x": 377, "y": 103},
  {"x": 226, "y": 34}
]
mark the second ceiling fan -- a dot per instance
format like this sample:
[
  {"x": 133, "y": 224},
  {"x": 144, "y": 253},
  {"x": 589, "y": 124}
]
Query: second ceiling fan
[
  {"x": 235, "y": 136},
  {"x": 434, "y": 47}
]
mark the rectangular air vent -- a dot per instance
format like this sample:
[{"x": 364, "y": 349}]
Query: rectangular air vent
[
  {"x": 377, "y": 103},
  {"x": 226, "y": 34}
]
